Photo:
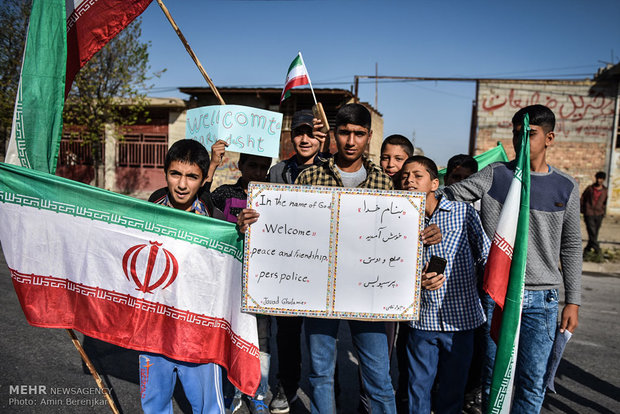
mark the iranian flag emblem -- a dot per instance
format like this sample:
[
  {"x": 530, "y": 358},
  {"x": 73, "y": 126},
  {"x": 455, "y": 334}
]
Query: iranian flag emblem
[{"x": 131, "y": 273}]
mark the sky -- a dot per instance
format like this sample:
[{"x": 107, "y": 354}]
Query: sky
[{"x": 252, "y": 43}]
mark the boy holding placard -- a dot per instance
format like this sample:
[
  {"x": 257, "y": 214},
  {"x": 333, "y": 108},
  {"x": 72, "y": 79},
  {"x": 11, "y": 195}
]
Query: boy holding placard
[
  {"x": 441, "y": 341},
  {"x": 186, "y": 168},
  {"x": 231, "y": 199},
  {"x": 348, "y": 168},
  {"x": 307, "y": 148}
]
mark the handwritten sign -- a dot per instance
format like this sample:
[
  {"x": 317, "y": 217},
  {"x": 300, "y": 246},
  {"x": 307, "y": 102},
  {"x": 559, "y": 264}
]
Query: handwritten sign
[
  {"x": 333, "y": 252},
  {"x": 246, "y": 129}
]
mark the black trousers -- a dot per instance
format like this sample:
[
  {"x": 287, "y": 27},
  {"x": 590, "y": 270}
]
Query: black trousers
[
  {"x": 289, "y": 352},
  {"x": 593, "y": 224}
]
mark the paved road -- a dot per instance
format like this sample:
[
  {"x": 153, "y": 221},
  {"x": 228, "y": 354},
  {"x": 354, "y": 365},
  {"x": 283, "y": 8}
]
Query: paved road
[{"x": 44, "y": 360}]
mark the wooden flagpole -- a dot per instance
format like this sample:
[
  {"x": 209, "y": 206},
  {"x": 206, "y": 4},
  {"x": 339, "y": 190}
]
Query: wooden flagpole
[
  {"x": 93, "y": 371},
  {"x": 191, "y": 52}
]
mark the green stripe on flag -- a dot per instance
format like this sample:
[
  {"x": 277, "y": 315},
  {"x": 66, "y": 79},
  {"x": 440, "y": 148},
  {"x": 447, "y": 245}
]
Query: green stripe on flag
[
  {"x": 500, "y": 397},
  {"x": 43, "y": 191},
  {"x": 296, "y": 62},
  {"x": 40, "y": 100}
]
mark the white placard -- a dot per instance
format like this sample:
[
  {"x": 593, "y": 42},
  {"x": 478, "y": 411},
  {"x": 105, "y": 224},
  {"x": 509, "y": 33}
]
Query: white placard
[{"x": 333, "y": 252}]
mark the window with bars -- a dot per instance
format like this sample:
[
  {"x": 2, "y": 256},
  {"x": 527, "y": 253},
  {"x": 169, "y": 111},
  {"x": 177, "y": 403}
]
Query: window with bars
[
  {"x": 73, "y": 151},
  {"x": 142, "y": 150}
]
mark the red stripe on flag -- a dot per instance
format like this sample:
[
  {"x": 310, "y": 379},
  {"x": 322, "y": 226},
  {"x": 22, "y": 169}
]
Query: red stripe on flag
[
  {"x": 497, "y": 271},
  {"x": 129, "y": 322},
  {"x": 296, "y": 81},
  {"x": 92, "y": 25}
]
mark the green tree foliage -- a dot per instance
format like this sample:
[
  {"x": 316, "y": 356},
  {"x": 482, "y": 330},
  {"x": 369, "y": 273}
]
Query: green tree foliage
[
  {"x": 109, "y": 89},
  {"x": 13, "y": 24}
]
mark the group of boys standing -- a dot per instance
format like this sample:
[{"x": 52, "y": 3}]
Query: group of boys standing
[{"x": 435, "y": 351}]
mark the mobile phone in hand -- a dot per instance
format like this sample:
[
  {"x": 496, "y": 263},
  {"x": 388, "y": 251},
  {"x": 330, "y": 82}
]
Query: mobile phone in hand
[{"x": 436, "y": 264}]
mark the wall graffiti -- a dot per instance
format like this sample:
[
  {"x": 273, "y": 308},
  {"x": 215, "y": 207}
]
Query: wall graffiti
[{"x": 577, "y": 115}]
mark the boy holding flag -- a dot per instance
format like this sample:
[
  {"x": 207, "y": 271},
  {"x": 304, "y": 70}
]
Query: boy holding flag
[{"x": 553, "y": 232}]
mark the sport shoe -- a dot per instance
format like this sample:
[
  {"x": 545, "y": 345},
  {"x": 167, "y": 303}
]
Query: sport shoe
[
  {"x": 473, "y": 402},
  {"x": 279, "y": 403},
  {"x": 257, "y": 406},
  {"x": 237, "y": 404}
]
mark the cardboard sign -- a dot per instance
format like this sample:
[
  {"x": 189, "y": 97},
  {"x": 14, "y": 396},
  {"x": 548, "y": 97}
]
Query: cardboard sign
[
  {"x": 333, "y": 252},
  {"x": 246, "y": 129}
]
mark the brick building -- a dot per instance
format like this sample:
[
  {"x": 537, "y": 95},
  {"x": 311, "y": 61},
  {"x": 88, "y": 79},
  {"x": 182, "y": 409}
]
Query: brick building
[{"x": 586, "y": 123}]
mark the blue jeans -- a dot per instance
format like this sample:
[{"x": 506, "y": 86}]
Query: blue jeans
[
  {"x": 445, "y": 355},
  {"x": 370, "y": 342},
  {"x": 202, "y": 384},
  {"x": 539, "y": 319}
]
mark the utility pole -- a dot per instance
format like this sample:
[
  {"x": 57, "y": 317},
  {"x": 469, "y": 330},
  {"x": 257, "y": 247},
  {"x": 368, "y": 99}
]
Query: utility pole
[{"x": 377, "y": 86}]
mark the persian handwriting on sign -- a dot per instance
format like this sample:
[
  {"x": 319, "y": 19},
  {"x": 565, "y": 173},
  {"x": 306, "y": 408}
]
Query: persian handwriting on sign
[
  {"x": 333, "y": 252},
  {"x": 382, "y": 260},
  {"x": 373, "y": 209},
  {"x": 383, "y": 236},
  {"x": 379, "y": 284},
  {"x": 245, "y": 129}
]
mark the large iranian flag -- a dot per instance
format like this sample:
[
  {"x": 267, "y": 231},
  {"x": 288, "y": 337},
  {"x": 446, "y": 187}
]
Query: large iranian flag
[
  {"x": 128, "y": 272},
  {"x": 62, "y": 36},
  {"x": 504, "y": 277}
]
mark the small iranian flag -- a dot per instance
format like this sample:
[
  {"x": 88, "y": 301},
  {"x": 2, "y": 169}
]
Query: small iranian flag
[
  {"x": 297, "y": 76},
  {"x": 131, "y": 273},
  {"x": 504, "y": 277},
  {"x": 62, "y": 36}
]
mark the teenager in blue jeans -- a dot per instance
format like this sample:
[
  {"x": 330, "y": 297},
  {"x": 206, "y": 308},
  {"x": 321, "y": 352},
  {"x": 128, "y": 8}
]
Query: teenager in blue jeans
[
  {"x": 553, "y": 256},
  {"x": 441, "y": 342},
  {"x": 348, "y": 168}
]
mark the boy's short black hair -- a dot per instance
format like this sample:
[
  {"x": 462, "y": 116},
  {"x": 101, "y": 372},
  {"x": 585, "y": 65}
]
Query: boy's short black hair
[
  {"x": 540, "y": 115},
  {"x": 462, "y": 160},
  {"x": 355, "y": 114},
  {"x": 428, "y": 164},
  {"x": 188, "y": 151},
  {"x": 243, "y": 158},
  {"x": 400, "y": 140},
  {"x": 600, "y": 174}
]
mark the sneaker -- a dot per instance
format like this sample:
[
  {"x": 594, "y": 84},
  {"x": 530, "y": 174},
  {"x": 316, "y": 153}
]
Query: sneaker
[
  {"x": 279, "y": 403},
  {"x": 257, "y": 406},
  {"x": 237, "y": 404},
  {"x": 473, "y": 402}
]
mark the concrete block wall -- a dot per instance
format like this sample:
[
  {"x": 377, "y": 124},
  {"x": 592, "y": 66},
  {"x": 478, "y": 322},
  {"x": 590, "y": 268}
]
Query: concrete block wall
[{"x": 584, "y": 121}]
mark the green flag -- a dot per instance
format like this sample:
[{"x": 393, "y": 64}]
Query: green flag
[
  {"x": 37, "y": 119},
  {"x": 488, "y": 157}
]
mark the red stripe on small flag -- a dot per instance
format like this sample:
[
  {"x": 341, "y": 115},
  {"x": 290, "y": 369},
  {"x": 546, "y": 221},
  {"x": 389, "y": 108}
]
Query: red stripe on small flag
[{"x": 297, "y": 81}]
